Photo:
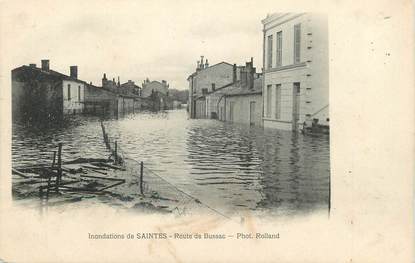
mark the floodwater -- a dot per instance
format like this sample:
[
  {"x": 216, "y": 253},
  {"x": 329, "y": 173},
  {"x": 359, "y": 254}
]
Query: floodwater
[{"x": 230, "y": 167}]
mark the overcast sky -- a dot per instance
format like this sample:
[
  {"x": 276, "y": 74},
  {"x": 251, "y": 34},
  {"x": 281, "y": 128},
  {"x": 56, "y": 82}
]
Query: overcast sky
[{"x": 135, "y": 40}]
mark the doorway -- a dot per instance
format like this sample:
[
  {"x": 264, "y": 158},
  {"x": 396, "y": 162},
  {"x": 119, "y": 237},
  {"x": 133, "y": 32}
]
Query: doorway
[
  {"x": 296, "y": 105},
  {"x": 252, "y": 113}
]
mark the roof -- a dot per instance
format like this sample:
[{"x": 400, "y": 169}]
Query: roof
[
  {"x": 49, "y": 73},
  {"x": 273, "y": 16},
  {"x": 126, "y": 84},
  {"x": 114, "y": 92},
  {"x": 60, "y": 76},
  {"x": 214, "y": 65},
  {"x": 239, "y": 91},
  {"x": 223, "y": 87},
  {"x": 235, "y": 89}
]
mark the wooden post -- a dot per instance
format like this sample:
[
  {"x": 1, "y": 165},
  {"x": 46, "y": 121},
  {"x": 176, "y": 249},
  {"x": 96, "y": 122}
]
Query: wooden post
[
  {"x": 59, "y": 175},
  {"x": 141, "y": 178},
  {"x": 54, "y": 158},
  {"x": 116, "y": 152}
]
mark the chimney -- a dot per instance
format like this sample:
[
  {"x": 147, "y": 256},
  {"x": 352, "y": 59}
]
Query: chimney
[
  {"x": 45, "y": 64},
  {"x": 118, "y": 83},
  {"x": 32, "y": 65},
  {"x": 249, "y": 73},
  {"x": 244, "y": 77},
  {"x": 74, "y": 71},
  {"x": 207, "y": 63},
  {"x": 105, "y": 77},
  {"x": 198, "y": 65},
  {"x": 234, "y": 73}
]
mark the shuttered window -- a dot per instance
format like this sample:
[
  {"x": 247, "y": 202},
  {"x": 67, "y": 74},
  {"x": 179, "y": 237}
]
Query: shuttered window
[
  {"x": 79, "y": 93},
  {"x": 279, "y": 49},
  {"x": 69, "y": 91},
  {"x": 278, "y": 101},
  {"x": 269, "y": 100},
  {"x": 297, "y": 43},
  {"x": 269, "y": 57}
]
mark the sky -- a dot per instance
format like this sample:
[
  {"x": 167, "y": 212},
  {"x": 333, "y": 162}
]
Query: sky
[{"x": 159, "y": 40}]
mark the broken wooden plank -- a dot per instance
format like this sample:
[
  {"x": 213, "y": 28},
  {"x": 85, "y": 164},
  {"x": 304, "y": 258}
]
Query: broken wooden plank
[
  {"x": 103, "y": 178},
  {"x": 92, "y": 166},
  {"x": 97, "y": 171},
  {"x": 20, "y": 173},
  {"x": 113, "y": 166},
  {"x": 85, "y": 160},
  {"x": 110, "y": 186}
]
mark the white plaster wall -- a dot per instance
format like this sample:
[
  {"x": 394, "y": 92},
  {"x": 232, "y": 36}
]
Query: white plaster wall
[
  {"x": 287, "y": 78},
  {"x": 74, "y": 103},
  {"x": 242, "y": 108},
  {"x": 286, "y": 25},
  {"x": 319, "y": 66},
  {"x": 312, "y": 73}
]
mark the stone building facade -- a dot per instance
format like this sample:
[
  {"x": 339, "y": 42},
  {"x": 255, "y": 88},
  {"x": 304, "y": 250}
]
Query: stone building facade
[
  {"x": 204, "y": 80},
  {"x": 240, "y": 101},
  {"x": 296, "y": 80},
  {"x": 113, "y": 98},
  {"x": 157, "y": 94},
  {"x": 244, "y": 108},
  {"x": 42, "y": 94},
  {"x": 130, "y": 88},
  {"x": 149, "y": 87}
]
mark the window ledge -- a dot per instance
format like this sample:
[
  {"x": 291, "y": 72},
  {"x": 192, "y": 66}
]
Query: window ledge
[{"x": 297, "y": 65}]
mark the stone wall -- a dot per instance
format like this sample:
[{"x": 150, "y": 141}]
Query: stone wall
[
  {"x": 153, "y": 86},
  {"x": 220, "y": 74},
  {"x": 241, "y": 112},
  {"x": 35, "y": 99}
]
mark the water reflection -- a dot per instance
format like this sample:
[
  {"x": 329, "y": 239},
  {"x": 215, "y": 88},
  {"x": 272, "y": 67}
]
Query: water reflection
[{"x": 229, "y": 167}]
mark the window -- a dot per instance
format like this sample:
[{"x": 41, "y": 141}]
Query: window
[
  {"x": 269, "y": 97},
  {"x": 297, "y": 88},
  {"x": 69, "y": 91},
  {"x": 213, "y": 87},
  {"x": 279, "y": 49},
  {"x": 278, "y": 101},
  {"x": 79, "y": 93},
  {"x": 270, "y": 51},
  {"x": 297, "y": 43}
]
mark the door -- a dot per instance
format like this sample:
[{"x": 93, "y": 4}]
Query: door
[
  {"x": 252, "y": 113},
  {"x": 231, "y": 109},
  {"x": 296, "y": 105}
]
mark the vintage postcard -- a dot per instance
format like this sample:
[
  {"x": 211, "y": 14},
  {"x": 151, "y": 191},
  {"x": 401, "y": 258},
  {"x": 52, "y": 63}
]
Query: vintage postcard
[{"x": 206, "y": 131}]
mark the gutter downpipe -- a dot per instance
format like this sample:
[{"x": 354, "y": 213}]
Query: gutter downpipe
[{"x": 263, "y": 76}]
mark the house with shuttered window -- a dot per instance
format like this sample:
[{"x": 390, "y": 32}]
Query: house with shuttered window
[
  {"x": 40, "y": 94},
  {"x": 296, "y": 76}
]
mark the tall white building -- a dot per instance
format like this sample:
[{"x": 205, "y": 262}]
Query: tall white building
[{"x": 296, "y": 74}]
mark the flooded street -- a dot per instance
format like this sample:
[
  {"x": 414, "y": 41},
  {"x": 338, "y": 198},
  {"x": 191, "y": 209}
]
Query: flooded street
[{"x": 226, "y": 166}]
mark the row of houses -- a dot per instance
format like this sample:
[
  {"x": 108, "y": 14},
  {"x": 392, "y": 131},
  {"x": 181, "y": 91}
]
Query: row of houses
[
  {"x": 291, "y": 92},
  {"x": 40, "y": 94}
]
